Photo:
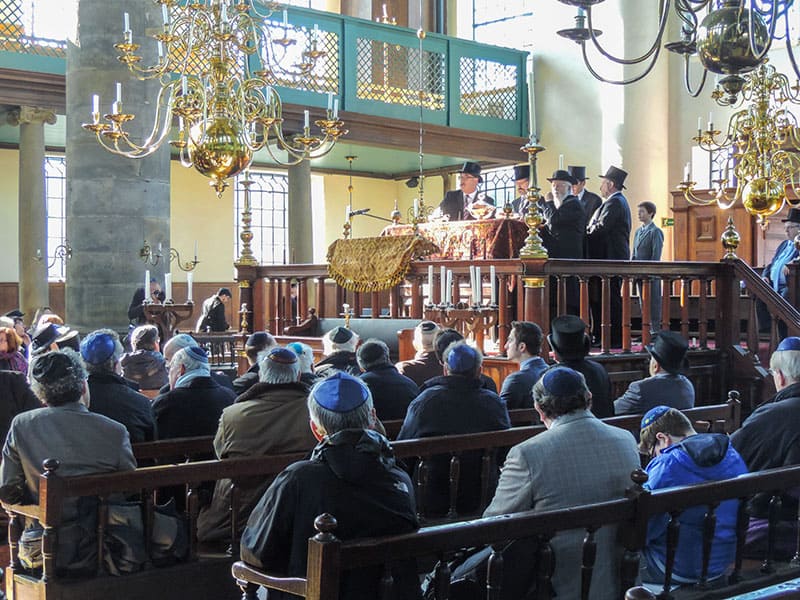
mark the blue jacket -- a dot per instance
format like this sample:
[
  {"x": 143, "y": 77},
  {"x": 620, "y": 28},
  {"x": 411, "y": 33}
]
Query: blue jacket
[{"x": 697, "y": 459}]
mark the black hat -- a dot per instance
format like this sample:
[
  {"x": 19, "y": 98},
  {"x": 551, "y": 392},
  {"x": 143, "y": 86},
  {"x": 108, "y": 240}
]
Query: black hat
[
  {"x": 579, "y": 173},
  {"x": 340, "y": 335},
  {"x": 568, "y": 337},
  {"x": 472, "y": 168},
  {"x": 617, "y": 176},
  {"x": 427, "y": 326},
  {"x": 18, "y": 314},
  {"x": 669, "y": 349},
  {"x": 45, "y": 335},
  {"x": 793, "y": 217},
  {"x": 522, "y": 172},
  {"x": 562, "y": 175}
]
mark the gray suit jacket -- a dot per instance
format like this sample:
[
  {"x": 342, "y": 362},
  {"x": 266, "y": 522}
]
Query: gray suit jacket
[
  {"x": 648, "y": 241},
  {"x": 579, "y": 460},
  {"x": 671, "y": 390}
]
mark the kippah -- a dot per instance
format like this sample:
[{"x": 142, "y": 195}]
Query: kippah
[
  {"x": 259, "y": 338},
  {"x": 340, "y": 392},
  {"x": 789, "y": 343},
  {"x": 562, "y": 381},
  {"x": 462, "y": 358},
  {"x": 282, "y": 356},
  {"x": 653, "y": 415},
  {"x": 427, "y": 326},
  {"x": 97, "y": 347},
  {"x": 51, "y": 367},
  {"x": 197, "y": 353},
  {"x": 340, "y": 334},
  {"x": 296, "y": 347}
]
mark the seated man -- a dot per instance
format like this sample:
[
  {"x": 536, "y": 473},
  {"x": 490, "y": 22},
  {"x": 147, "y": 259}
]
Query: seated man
[
  {"x": 179, "y": 342},
  {"x": 666, "y": 385},
  {"x": 391, "y": 391},
  {"x": 269, "y": 418},
  {"x": 194, "y": 403},
  {"x": 258, "y": 342},
  {"x": 769, "y": 438},
  {"x": 457, "y": 204},
  {"x": 571, "y": 344},
  {"x": 339, "y": 347},
  {"x": 353, "y": 476},
  {"x": 523, "y": 347},
  {"x": 441, "y": 341},
  {"x": 113, "y": 396},
  {"x": 456, "y": 403},
  {"x": 681, "y": 456},
  {"x": 305, "y": 360},
  {"x": 145, "y": 364},
  {"x": 578, "y": 460},
  {"x": 84, "y": 443},
  {"x": 424, "y": 365}
]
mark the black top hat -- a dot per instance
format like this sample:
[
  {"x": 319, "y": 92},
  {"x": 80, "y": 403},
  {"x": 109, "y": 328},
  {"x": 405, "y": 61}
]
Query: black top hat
[
  {"x": 472, "y": 168},
  {"x": 18, "y": 314},
  {"x": 46, "y": 334},
  {"x": 522, "y": 172},
  {"x": 617, "y": 176},
  {"x": 568, "y": 337},
  {"x": 669, "y": 349},
  {"x": 793, "y": 217},
  {"x": 578, "y": 173},
  {"x": 562, "y": 175}
]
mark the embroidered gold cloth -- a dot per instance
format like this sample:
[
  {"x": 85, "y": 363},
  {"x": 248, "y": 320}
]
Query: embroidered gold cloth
[
  {"x": 377, "y": 263},
  {"x": 467, "y": 240}
]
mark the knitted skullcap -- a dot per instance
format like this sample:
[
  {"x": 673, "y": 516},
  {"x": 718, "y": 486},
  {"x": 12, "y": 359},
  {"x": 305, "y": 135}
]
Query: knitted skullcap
[
  {"x": 562, "y": 381},
  {"x": 340, "y": 393},
  {"x": 789, "y": 343},
  {"x": 653, "y": 415},
  {"x": 97, "y": 347},
  {"x": 282, "y": 356}
]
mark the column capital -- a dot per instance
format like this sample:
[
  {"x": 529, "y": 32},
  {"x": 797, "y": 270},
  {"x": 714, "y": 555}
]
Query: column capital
[{"x": 31, "y": 114}]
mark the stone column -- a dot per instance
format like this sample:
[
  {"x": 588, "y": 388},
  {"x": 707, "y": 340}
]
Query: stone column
[
  {"x": 113, "y": 202},
  {"x": 33, "y": 288},
  {"x": 301, "y": 247}
]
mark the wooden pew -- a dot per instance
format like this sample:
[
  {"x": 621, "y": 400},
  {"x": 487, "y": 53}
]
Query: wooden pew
[{"x": 328, "y": 556}]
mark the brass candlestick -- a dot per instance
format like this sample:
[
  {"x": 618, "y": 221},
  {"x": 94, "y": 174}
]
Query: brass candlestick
[
  {"x": 533, "y": 247},
  {"x": 246, "y": 256}
]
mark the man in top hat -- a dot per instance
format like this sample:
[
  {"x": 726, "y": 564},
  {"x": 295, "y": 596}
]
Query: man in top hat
[
  {"x": 425, "y": 364},
  {"x": 351, "y": 475},
  {"x": 564, "y": 235},
  {"x": 258, "y": 342},
  {"x": 339, "y": 347},
  {"x": 571, "y": 344},
  {"x": 776, "y": 271},
  {"x": 579, "y": 460},
  {"x": 590, "y": 201},
  {"x": 456, "y": 203},
  {"x": 769, "y": 438},
  {"x": 608, "y": 238},
  {"x": 522, "y": 175},
  {"x": 666, "y": 384}
]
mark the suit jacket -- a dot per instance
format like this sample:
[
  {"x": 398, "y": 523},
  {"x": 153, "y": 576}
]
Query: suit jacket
[
  {"x": 648, "y": 242},
  {"x": 579, "y": 460},
  {"x": 453, "y": 205},
  {"x": 591, "y": 202},
  {"x": 598, "y": 382},
  {"x": 663, "y": 388},
  {"x": 565, "y": 232},
  {"x": 767, "y": 270},
  {"x": 516, "y": 391},
  {"x": 609, "y": 231},
  {"x": 192, "y": 410}
]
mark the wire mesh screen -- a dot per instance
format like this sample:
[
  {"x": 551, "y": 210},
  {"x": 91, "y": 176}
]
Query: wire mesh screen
[
  {"x": 18, "y": 34},
  {"x": 487, "y": 88},
  {"x": 397, "y": 74},
  {"x": 269, "y": 197}
]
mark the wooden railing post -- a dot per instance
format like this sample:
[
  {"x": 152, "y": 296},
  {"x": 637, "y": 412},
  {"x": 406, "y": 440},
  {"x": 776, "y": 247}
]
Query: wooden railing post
[{"x": 322, "y": 573}]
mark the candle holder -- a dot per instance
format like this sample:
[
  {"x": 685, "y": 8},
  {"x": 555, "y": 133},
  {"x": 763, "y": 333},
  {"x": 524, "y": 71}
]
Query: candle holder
[
  {"x": 472, "y": 321},
  {"x": 167, "y": 316},
  {"x": 153, "y": 257},
  {"x": 533, "y": 247},
  {"x": 347, "y": 313}
]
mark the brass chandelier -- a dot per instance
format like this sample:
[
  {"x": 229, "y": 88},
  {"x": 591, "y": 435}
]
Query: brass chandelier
[
  {"x": 760, "y": 137},
  {"x": 732, "y": 37},
  {"x": 218, "y": 63}
]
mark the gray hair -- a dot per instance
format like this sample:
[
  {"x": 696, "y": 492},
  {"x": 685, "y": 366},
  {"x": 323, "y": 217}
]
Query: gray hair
[
  {"x": 556, "y": 406},
  {"x": 305, "y": 356},
  {"x": 372, "y": 353},
  {"x": 183, "y": 358},
  {"x": 58, "y": 377},
  {"x": 110, "y": 365},
  {"x": 272, "y": 371},
  {"x": 144, "y": 337},
  {"x": 178, "y": 342},
  {"x": 334, "y": 422},
  {"x": 423, "y": 340},
  {"x": 788, "y": 363}
]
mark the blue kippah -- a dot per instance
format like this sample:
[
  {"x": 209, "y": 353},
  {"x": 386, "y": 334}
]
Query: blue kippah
[
  {"x": 296, "y": 347},
  {"x": 789, "y": 343},
  {"x": 282, "y": 356},
  {"x": 562, "y": 381},
  {"x": 461, "y": 359},
  {"x": 197, "y": 353},
  {"x": 340, "y": 392},
  {"x": 97, "y": 347},
  {"x": 653, "y": 415}
]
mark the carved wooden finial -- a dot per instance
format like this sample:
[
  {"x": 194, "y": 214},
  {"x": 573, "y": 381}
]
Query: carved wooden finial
[
  {"x": 325, "y": 524},
  {"x": 733, "y": 395},
  {"x": 639, "y": 477},
  {"x": 50, "y": 465}
]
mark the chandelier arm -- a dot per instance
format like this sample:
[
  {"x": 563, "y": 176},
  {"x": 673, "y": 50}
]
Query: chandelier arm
[
  {"x": 599, "y": 77},
  {"x": 687, "y": 83},
  {"x": 655, "y": 48},
  {"x": 790, "y": 52},
  {"x": 759, "y": 56}
]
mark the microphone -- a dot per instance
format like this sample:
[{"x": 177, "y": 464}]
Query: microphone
[{"x": 360, "y": 211}]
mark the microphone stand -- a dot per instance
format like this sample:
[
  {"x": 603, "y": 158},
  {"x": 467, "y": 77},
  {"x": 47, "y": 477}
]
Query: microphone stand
[{"x": 371, "y": 216}]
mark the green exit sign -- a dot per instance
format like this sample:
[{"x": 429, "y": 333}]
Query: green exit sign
[{"x": 667, "y": 222}]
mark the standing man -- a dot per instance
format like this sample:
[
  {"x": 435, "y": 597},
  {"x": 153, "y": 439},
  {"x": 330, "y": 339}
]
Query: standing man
[
  {"x": 136, "y": 310},
  {"x": 523, "y": 346},
  {"x": 775, "y": 272},
  {"x": 589, "y": 200},
  {"x": 522, "y": 174},
  {"x": 456, "y": 203},
  {"x": 212, "y": 317},
  {"x": 648, "y": 241},
  {"x": 608, "y": 236}
]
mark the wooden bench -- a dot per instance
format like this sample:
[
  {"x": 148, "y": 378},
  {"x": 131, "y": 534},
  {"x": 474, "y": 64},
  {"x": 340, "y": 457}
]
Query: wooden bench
[{"x": 328, "y": 556}]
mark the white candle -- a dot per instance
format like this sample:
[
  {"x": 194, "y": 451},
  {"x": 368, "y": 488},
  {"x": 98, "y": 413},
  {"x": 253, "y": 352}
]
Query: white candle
[
  {"x": 195, "y": 249},
  {"x": 347, "y": 213},
  {"x": 330, "y": 101},
  {"x": 96, "y": 104},
  {"x": 478, "y": 286},
  {"x": 164, "y": 14},
  {"x": 416, "y": 208},
  {"x": 560, "y": 161},
  {"x": 285, "y": 18},
  {"x": 711, "y": 121},
  {"x": 531, "y": 106},
  {"x": 449, "y": 288},
  {"x": 147, "y": 284},
  {"x": 223, "y": 15},
  {"x": 335, "y": 108},
  {"x": 430, "y": 284},
  {"x": 189, "y": 281},
  {"x": 385, "y": 14},
  {"x": 160, "y": 50},
  {"x": 168, "y": 286},
  {"x": 119, "y": 91},
  {"x": 184, "y": 85},
  {"x": 687, "y": 171},
  {"x": 180, "y": 123},
  {"x": 472, "y": 282},
  {"x": 305, "y": 119},
  {"x": 126, "y": 22},
  {"x": 699, "y": 123},
  {"x": 492, "y": 277},
  {"x": 442, "y": 284}
]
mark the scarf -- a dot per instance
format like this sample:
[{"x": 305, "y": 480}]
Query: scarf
[{"x": 15, "y": 360}]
